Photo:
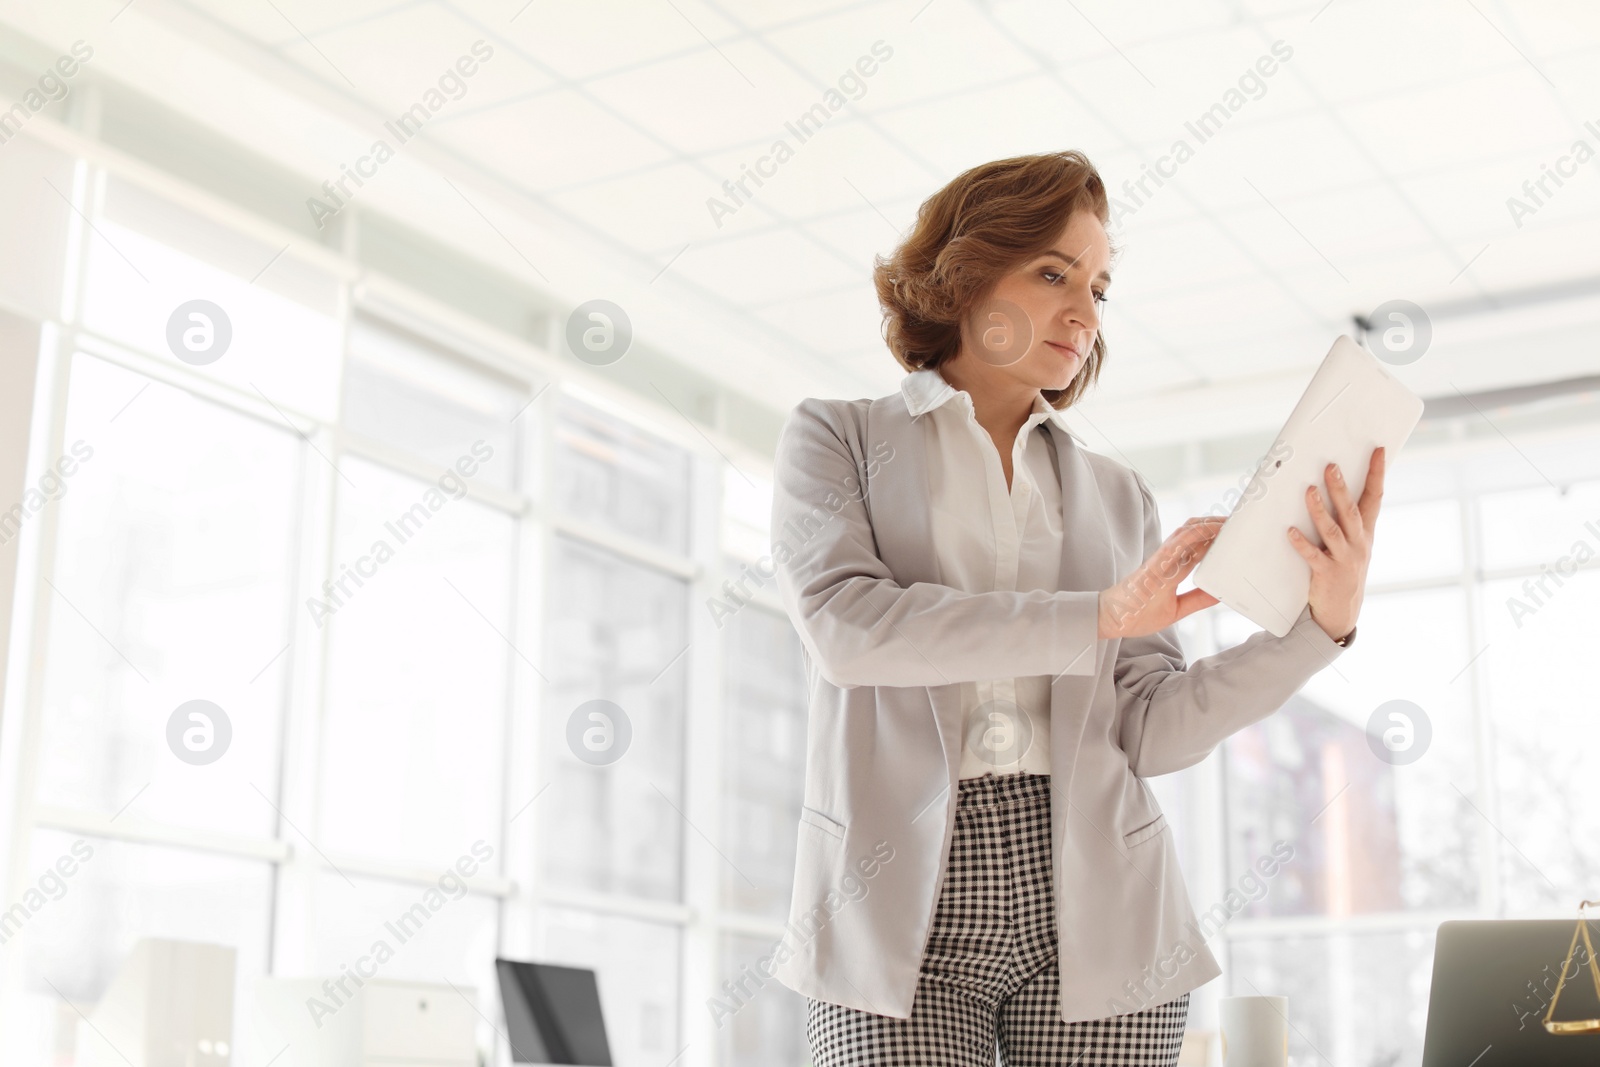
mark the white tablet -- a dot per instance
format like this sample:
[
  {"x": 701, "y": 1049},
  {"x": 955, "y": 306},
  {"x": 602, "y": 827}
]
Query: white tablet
[{"x": 1351, "y": 406}]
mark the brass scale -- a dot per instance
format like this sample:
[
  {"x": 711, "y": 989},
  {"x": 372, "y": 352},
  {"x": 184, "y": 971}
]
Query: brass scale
[{"x": 1575, "y": 1026}]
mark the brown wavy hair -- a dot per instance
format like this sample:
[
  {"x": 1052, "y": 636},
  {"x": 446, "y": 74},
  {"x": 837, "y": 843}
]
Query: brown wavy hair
[{"x": 985, "y": 222}]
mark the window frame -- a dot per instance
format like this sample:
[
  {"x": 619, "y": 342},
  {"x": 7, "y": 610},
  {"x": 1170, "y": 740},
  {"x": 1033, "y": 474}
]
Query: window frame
[{"x": 295, "y": 863}]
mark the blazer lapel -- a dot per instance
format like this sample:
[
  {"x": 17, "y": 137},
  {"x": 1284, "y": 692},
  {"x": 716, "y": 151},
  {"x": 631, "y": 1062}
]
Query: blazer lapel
[
  {"x": 1086, "y": 560},
  {"x": 901, "y": 513},
  {"x": 897, "y": 495},
  {"x": 1086, "y": 564}
]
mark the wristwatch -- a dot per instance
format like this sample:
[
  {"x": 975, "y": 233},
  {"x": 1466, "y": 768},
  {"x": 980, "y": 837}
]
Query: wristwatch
[{"x": 1344, "y": 642}]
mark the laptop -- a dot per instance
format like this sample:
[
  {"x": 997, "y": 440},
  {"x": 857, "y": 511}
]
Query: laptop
[
  {"x": 1492, "y": 982},
  {"x": 1351, "y": 406},
  {"x": 552, "y": 1014}
]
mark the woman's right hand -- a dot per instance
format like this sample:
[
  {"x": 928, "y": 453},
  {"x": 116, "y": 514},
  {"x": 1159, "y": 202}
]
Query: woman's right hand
[{"x": 1147, "y": 600}]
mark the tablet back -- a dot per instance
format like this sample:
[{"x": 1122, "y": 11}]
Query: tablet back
[{"x": 1352, "y": 405}]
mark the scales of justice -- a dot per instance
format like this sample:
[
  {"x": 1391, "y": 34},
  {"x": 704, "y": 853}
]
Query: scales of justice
[{"x": 1576, "y": 1026}]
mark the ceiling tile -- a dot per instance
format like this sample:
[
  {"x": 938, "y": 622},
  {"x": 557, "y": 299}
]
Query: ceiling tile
[
  {"x": 700, "y": 102},
  {"x": 1292, "y": 349},
  {"x": 949, "y": 47},
  {"x": 1348, "y": 225},
  {"x": 863, "y": 234},
  {"x": 1057, "y": 31},
  {"x": 818, "y": 174},
  {"x": 768, "y": 15},
  {"x": 1031, "y": 115},
  {"x": 1555, "y": 26},
  {"x": 1420, "y": 275},
  {"x": 287, "y": 22},
  {"x": 1540, "y": 255},
  {"x": 1176, "y": 256},
  {"x": 555, "y": 139},
  {"x": 1375, "y": 50},
  {"x": 1324, "y": 157},
  {"x": 1127, "y": 374},
  {"x": 1212, "y": 310},
  {"x": 836, "y": 323},
  {"x": 765, "y": 267},
  {"x": 658, "y": 210},
  {"x": 1473, "y": 201},
  {"x": 579, "y": 41},
  {"x": 393, "y": 58},
  {"x": 1461, "y": 122}
]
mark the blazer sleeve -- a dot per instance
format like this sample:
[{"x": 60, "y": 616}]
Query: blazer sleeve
[
  {"x": 860, "y": 627},
  {"x": 1171, "y": 717}
]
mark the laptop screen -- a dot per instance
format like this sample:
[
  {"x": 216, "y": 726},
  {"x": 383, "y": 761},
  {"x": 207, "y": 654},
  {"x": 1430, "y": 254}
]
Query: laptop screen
[
  {"x": 1492, "y": 983},
  {"x": 553, "y": 1014}
]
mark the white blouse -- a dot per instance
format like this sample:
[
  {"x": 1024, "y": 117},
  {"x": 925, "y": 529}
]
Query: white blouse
[{"x": 989, "y": 539}]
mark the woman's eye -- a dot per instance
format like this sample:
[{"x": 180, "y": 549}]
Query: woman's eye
[{"x": 1053, "y": 277}]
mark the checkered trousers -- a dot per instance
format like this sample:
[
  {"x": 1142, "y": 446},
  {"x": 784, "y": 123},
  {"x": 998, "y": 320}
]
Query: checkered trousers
[{"x": 990, "y": 975}]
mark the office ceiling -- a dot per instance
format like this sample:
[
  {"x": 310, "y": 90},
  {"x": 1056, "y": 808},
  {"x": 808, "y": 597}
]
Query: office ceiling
[{"x": 1374, "y": 163}]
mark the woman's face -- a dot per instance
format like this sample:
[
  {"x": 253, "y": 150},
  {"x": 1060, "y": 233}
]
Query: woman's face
[{"x": 1037, "y": 325}]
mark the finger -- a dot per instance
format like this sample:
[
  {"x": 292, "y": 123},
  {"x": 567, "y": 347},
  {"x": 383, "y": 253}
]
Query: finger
[
  {"x": 1172, "y": 559},
  {"x": 1187, "y": 535},
  {"x": 1344, "y": 509},
  {"x": 1308, "y": 551},
  {"x": 1205, "y": 524},
  {"x": 1188, "y": 560},
  {"x": 1332, "y": 536},
  {"x": 1208, "y": 523},
  {"x": 1339, "y": 503},
  {"x": 1372, "y": 492},
  {"x": 1192, "y": 601}
]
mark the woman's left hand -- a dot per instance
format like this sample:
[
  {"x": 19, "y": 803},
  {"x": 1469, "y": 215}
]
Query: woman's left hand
[{"x": 1339, "y": 568}]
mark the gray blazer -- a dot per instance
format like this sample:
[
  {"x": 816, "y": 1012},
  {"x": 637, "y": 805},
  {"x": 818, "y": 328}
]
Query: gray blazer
[{"x": 886, "y": 646}]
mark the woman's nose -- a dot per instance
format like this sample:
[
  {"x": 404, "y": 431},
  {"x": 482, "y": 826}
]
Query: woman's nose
[{"x": 1083, "y": 314}]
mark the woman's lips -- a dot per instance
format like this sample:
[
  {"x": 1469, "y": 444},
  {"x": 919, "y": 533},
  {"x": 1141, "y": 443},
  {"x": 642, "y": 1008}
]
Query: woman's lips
[{"x": 1065, "y": 350}]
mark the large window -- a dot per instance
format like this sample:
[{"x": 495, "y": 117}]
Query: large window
[
  {"x": 1479, "y": 805},
  {"x": 402, "y": 571},
  {"x": 613, "y": 819},
  {"x": 171, "y": 581},
  {"x": 418, "y": 670},
  {"x": 759, "y": 1021},
  {"x": 765, "y": 769}
]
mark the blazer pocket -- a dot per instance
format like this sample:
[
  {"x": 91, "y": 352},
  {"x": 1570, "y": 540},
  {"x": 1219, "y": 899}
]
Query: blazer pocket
[
  {"x": 813, "y": 817},
  {"x": 1145, "y": 832}
]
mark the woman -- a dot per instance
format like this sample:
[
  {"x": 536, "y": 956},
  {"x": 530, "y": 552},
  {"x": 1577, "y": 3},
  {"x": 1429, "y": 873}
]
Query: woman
[{"x": 980, "y": 863}]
